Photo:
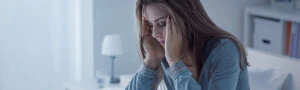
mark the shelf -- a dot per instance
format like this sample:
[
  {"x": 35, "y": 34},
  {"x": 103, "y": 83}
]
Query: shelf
[
  {"x": 267, "y": 12},
  {"x": 271, "y": 12}
]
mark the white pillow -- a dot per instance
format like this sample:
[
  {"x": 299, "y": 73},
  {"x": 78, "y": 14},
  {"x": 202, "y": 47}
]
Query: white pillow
[{"x": 266, "y": 79}]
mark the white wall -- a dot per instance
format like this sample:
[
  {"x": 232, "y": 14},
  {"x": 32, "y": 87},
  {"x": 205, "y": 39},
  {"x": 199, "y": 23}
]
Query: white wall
[
  {"x": 228, "y": 14},
  {"x": 116, "y": 17}
]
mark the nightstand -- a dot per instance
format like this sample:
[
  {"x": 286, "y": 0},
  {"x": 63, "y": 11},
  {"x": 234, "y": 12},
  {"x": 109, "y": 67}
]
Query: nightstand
[
  {"x": 91, "y": 87},
  {"x": 113, "y": 87}
]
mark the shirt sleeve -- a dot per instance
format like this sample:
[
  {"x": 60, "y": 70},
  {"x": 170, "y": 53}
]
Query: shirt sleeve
[
  {"x": 182, "y": 77},
  {"x": 143, "y": 79},
  {"x": 225, "y": 67},
  {"x": 225, "y": 61}
]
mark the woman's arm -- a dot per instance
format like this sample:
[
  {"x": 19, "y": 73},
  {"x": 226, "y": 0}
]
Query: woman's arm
[
  {"x": 144, "y": 79},
  {"x": 182, "y": 77},
  {"x": 225, "y": 62},
  {"x": 225, "y": 69}
]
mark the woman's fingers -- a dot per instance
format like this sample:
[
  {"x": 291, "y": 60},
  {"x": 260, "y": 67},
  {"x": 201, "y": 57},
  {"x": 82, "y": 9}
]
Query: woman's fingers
[
  {"x": 171, "y": 30},
  {"x": 145, "y": 27},
  {"x": 168, "y": 31},
  {"x": 173, "y": 42},
  {"x": 169, "y": 27},
  {"x": 153, "y": 50}
]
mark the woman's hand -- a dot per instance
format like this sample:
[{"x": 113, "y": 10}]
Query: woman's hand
[
  {"x": 154, "y": 51},
  {"x": 173, "y": 43}
]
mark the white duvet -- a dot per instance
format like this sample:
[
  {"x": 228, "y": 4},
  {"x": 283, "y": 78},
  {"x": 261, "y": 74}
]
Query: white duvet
[{"x": 266, "y": 79}]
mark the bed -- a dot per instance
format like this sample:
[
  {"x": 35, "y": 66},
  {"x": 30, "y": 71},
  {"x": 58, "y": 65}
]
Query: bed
[
  {"x": 267, "y": 72},
  {"x": 286, "y": 66}
]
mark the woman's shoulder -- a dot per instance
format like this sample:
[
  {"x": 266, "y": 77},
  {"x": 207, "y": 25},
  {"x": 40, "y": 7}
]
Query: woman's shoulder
[
  {"x": 221, "y": 49},
  {"x": 219, "y": 44}
]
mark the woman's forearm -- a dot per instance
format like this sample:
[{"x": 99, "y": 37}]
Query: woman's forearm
[
  {"x": 182, "y": 77},
  {"x": 144, "y": 79}
]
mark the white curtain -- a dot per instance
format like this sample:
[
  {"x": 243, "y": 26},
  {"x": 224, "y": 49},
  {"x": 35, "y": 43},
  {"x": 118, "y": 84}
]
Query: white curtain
[{"x": 42, "y": 46}]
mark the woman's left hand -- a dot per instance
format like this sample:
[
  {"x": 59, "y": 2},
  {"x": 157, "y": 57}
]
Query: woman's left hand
[{"x": 173, "y": 43}]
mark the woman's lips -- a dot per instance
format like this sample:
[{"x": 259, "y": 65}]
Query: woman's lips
[{"x": 162, "y": 42}]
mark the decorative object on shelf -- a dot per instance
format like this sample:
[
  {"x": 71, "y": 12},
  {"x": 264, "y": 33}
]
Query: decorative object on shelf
[
  {"x": 283, "y": 3},
  {"x": 112, "y": 47},
  {"x": 262, "y": 40},
  {"x": 103, "y": 80}
]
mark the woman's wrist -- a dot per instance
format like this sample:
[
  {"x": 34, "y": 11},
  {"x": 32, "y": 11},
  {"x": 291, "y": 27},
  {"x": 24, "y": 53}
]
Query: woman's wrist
[
  {"x": 151, "y": 64},
  {"x": 172, "y": 61}
]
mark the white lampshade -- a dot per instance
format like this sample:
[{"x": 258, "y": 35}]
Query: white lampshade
[{"x": 112, "y": 45}]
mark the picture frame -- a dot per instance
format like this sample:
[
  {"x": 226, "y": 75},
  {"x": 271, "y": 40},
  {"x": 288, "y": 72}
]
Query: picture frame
[{"x": 283, "y": 3}]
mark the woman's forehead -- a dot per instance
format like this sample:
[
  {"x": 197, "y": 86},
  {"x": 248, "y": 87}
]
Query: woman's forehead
[{"x": 154, "y": 11}]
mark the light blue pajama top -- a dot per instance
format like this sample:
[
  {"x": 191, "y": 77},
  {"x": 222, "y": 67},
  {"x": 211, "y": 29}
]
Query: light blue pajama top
[{"x": 221, "y": 71}]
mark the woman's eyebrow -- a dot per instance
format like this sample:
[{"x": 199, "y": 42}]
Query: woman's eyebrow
[{"x": 160, "y": 18}]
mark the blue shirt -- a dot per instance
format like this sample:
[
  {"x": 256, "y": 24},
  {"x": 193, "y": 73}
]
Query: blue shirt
[{"x": 221, "y": 71}]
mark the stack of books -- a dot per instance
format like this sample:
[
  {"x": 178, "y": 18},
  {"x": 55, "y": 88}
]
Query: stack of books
[{"x": 292, "y": 39}]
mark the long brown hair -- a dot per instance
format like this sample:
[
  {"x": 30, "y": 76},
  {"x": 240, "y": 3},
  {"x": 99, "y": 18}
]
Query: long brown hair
[{"x": 195, "y": 26}]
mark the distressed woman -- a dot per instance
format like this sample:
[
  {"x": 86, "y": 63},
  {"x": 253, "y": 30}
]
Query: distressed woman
[{"x": 183, "y": 49}]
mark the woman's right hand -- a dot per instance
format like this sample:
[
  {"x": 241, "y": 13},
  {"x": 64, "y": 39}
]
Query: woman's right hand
[{"x": 154, "y": 51}]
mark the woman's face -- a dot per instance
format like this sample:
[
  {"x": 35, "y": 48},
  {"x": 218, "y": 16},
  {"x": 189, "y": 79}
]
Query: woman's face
[{"x": 156, "y": 16}]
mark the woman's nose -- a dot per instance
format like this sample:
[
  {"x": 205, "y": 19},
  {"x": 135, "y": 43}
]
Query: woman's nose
[{"x": 156, "y": 33}]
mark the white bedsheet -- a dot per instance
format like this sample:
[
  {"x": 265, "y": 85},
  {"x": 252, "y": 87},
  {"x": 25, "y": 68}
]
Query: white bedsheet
[{"x": 266, "y": 79}]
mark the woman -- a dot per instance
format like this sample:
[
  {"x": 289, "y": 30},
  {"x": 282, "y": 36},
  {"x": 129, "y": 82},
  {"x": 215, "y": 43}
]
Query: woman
[{"x": 182, "y": 49}]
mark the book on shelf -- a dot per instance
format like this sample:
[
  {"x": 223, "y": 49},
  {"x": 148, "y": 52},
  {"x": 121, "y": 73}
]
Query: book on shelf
[
  {"x": 293, "y": 40},
  {"x": 288, "y": 27},
  {"x": 298, "y": 43}
]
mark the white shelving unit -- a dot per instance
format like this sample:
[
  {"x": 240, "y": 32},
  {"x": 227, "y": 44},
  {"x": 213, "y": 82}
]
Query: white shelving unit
[{"x": 265, "y": 12}]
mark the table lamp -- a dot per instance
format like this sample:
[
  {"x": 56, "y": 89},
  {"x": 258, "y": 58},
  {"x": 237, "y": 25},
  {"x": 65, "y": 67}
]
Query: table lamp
[{"x": 112, "y": 47}]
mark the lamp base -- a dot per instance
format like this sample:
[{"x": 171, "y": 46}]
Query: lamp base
[{"x": 114, "y": 80}]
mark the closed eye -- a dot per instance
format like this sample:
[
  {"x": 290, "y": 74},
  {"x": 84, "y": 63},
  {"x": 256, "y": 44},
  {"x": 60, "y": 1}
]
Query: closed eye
[
  {"x": 162, "y": 24},
  {"x": 150, "y": 25}
]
